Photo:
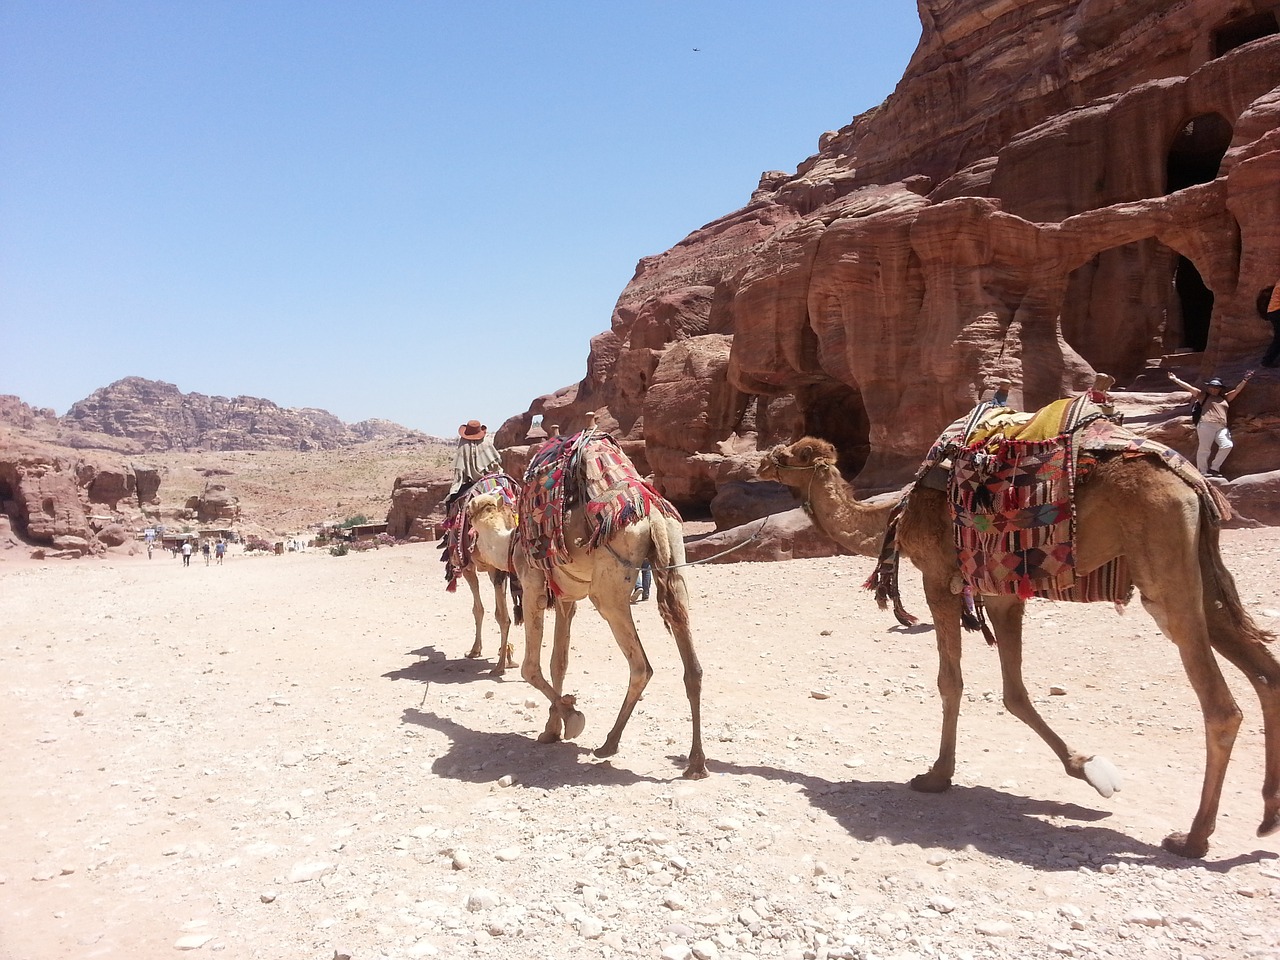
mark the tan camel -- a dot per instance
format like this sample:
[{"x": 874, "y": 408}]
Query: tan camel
[
  {"x": 491, "y": 555},
  {"x": 1131, "y": 506},
  {"x": 607, "y": 575}
]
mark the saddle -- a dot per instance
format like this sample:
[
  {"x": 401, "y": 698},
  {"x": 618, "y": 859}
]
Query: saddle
[
  {"x": 1010, "y": 481},
  {"x": 588, "y": 469}
]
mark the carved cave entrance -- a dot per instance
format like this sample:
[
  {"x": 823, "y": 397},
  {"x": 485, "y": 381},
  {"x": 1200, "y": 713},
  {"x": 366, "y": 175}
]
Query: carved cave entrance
[
  {"x": 835, "y": 412},
  {"x": 1236, "y": 33},
  {"x": 1195, "y": 156},
  {"x": 8, "y": 506},
  {"x": 1135, "y": 303}
]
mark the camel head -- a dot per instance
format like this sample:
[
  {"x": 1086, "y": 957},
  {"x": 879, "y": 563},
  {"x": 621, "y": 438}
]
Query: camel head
[
  {"x": 492, "y": 508},
  {"x": 794, "y": 464}
]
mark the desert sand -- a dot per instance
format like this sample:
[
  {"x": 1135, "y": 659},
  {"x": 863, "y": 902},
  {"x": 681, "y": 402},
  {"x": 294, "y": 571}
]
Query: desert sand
[{"x": 288, "y": 756}]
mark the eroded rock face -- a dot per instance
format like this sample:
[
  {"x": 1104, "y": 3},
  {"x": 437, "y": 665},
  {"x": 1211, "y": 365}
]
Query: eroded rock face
[
  {"x": 215, "y": 504},
  {"x": 161, "y": 417},
  {"x": 1116, "y": 213},
  {"x": 417, "y": 504},
  {"x": 67, "y": 507}
]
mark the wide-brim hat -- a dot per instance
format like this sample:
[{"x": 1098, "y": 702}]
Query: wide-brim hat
[
  {"x": 472, "y": 430},
  {"x": 999, "y": 382},
  {"x": 1215, "y": 382}
]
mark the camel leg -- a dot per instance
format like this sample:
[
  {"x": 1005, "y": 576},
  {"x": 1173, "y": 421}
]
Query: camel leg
[
  {"x": 477, "y": 608},
  {"x": 1006, "y": 615},
  {"x": 503, "y": 617},
  {"x": 1257, "y": 663},
  {"x": 1182, "y": 620},
  {"x": 573, "y": 720},
  {"x": 672, "y": 608},
  {"x": 531, "y": 669},
  {"x": 614, "y": 604},
  {"x": 945, "y": 608}
]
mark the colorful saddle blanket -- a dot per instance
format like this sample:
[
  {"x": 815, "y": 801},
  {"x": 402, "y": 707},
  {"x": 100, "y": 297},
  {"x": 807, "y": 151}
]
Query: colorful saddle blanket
[
  {"x": 588, "y": 468},
  {"x": 1010, "y": 480},
  {"x": 460, "y": 537}
]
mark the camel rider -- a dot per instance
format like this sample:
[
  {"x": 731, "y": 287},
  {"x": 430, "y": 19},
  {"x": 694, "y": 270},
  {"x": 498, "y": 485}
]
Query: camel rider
[{"x": 476, "y": 456}]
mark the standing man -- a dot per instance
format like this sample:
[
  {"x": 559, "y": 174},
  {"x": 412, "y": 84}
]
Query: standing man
[
  {"x": 186, "y": 553},
  {"x": 1215, "y": 414},
  {"x": 220, "y": 551}
]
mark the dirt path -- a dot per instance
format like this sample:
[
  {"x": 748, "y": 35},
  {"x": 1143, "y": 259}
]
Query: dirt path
[{"x": 287, "y": 757}]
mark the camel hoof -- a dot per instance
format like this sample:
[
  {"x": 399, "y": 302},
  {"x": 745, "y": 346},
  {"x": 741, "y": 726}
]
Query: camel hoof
[
  {"x": 498, "y": 671},
  {"x": 698, "y": 772},
  {"x": 1102, "y": 775},
  {"x": 928, "y": 783},
  {"x": 1270, "y": 824},
  {"x": 473, "y": 655},
  {"x": 548, "y": 736},
  {"x": 574, "y": 724},
  {"x": 604, "y": 751},
  {"x": 1181, "y": 844}
]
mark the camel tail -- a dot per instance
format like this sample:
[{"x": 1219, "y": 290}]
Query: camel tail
[
  {"x": 666, "y": 557},
  {"x": 1222, "y": 607}
]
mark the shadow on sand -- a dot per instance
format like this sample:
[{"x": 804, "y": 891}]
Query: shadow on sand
[
  {"x": 1037, "y": 833},
  {"x": 478, "y": 757},
  {"x": 433, "y": 666}
]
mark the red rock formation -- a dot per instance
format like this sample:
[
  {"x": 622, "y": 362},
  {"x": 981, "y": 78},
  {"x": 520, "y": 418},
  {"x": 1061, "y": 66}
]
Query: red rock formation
[
  {"x": 417, "y": 503},
  {"x": 161, "y": 417},
  {"x": 65, "y": 507},
  {"x": 1055, "y": 188}
]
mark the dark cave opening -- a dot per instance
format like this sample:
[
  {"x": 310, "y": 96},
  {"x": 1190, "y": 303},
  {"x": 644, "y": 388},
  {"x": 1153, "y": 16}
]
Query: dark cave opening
[
  {"x": 1196, "y": 301},
  {"x": 1236, "y": 33},
  {"x": 1197, "y": 151},
  {"x": 835, "y": 412}
]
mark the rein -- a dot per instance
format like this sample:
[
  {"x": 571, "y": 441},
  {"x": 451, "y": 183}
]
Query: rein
[{"x": 693, "y": 563}]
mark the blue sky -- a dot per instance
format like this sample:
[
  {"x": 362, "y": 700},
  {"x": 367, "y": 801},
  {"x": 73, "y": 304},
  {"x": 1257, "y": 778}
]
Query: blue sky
[{"x": 417, "y": 211}]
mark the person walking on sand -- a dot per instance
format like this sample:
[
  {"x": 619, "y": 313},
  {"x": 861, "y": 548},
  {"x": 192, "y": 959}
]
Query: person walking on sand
[
  {"x": 1211, "y": 429},
  {"x": 186, "y": 553},
  {"x": 204, "y": 551},
  {"x": 220, "y": 551}
]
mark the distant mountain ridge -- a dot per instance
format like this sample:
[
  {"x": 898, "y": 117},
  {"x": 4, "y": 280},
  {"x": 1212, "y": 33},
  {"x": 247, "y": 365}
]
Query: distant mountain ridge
[{"x": 161, "y": 417}]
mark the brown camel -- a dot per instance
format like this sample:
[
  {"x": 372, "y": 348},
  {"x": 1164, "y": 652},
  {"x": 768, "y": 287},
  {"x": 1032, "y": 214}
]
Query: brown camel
[
  {"x": 1131, "y": 506},
  {"x": 606, "y": 574},
  {"x": 494, "y": 519}
]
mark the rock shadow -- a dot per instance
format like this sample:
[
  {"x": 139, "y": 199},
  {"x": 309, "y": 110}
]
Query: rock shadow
[
  {"x": 1040, "y": 834},
  {"x": 475, "y": 756}
]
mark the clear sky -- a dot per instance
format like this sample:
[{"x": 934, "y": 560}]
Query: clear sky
[{"x": 420, "y": 211}]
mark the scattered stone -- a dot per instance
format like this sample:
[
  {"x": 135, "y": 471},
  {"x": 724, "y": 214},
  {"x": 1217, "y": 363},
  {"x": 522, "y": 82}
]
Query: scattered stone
[
  {"x": 1144, "y": 916},
  {"x": 590, "y": 928},
  {"x": 1057, "y": 690},
  {"x": 310, "y": 870},
  {"x": 268, "y": 896},
  {"x": 461, "y": 859},
  {"x": 995, "y": 928},
  {"x": 942, "y": 904},
  {"x": 728, "y": 824},
  {"x": 507, "y": 854},
  {"x": 481, "y": 899},
  {"x": 506, "y": 781},
  {"x": 936, "y": 858},
  {"x": 192, "y": 941},
  {"x": 820, "y": 694},
  {"x": 676, "y": 951},
  {"x": 706, "y": 949}
]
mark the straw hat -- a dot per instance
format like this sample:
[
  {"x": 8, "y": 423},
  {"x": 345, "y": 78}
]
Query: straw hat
[{"x": 472, "y": 430}]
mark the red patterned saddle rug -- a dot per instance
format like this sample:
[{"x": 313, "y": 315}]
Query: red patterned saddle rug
[
  {"x": 459, "y": 535},
  {"x": 588, "y": 468},
  {"x": 1011, "y": 491}
]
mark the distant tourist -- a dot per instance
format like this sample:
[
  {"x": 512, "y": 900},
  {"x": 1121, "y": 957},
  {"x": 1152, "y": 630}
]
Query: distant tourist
[
  {"x": 1211, "y": 428},
  {"x": 220, "y": 551},
  {"x": 186, "y": 553},
  {"x": 204, "y": 551}
]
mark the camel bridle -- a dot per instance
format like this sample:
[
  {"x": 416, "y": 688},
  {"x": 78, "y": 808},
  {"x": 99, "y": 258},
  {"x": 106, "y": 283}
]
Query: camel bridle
[{"x": 812, "y": 468}]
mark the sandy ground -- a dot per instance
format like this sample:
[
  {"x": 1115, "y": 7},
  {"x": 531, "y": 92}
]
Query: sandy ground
[{"x": 288, "y": 757}]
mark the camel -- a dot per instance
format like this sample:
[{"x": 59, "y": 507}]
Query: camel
[
  {"x": 1135, "y": 506},
  {"x": 491, "y": 555},
  {"x": 606, "y": 574}
]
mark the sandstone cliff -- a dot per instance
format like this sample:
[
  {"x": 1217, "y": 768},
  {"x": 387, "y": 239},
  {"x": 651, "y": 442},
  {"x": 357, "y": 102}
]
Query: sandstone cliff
[
  {"x": 161, "y": 417},
  {"x": 1055, "y": 188}
]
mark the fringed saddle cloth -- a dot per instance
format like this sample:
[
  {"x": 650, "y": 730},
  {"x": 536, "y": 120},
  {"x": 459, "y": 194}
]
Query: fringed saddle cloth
[
  {"x": 1011, "y": 490},
  {"x": 460, "y": 537},
  {"x": 587, "y": 468}
]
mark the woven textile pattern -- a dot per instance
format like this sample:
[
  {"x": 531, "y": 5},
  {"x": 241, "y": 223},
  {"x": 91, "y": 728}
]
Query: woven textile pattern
[
  {"x": 457, "y": 524},
  {"x": 587, "y": 468}
]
